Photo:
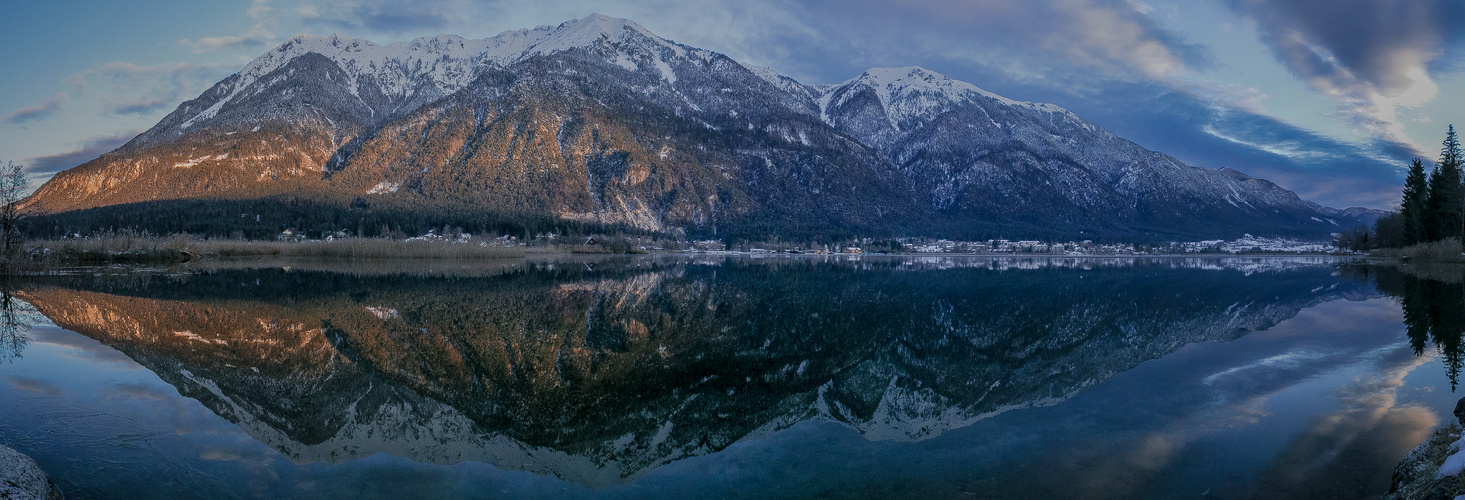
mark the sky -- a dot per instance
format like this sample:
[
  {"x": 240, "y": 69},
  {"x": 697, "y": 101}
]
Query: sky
[{"x": 1328, "y": 98}]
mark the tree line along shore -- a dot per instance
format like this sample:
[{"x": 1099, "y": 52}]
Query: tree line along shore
[{"x": 1430, "y": 222}]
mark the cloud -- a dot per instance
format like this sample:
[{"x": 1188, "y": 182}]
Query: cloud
[
  {"x": 384, "y": 16},
  {"x": 1093, "y": 33},
  {"x": 1205, "y": 132},
  {"x": 252, "y": 38},
  {"x": 1107, "y": 38},
  {"x": 78, "y": 346},
  {"x": 135, "y": 390},
  {"x": 1371, "y": 56},
  {"x": 33, "y": 385},
  {"x": 256, "y": 36},
  {"x": 142, "y": 106},
  {"x": 80, "y": 152},
  {"x": 38, "y": 112},
  {"x": 1369, "y": 432},
  {"x": 131, "y": 89},
  {"x": 393, "y": 17}
]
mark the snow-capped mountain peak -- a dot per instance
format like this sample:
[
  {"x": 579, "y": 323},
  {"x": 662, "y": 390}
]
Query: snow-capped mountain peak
[
  {"x": 573, "y": 34},
  {"x": 448, "y": 62},
  {"x": 913, "y": 92}
]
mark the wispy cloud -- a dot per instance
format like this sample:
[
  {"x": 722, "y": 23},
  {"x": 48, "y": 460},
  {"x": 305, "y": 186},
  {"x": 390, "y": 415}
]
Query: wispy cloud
[
  {"x": 384, "y": 16},
  {"x": 252, "y": 38},
  {"x": 38, "y": 112},
  {"x": 1207, "y": 132},
  {"x": 1110, "y": 35},
  {"x": 131, "y": 89},
  {"x": 33, "y": 385},
  {"x": 1371, "y": 56},
  {"x": 1105, "y": 38},
  {"x": 255, "y": 36},
  {"x": 80, "y": 152}
]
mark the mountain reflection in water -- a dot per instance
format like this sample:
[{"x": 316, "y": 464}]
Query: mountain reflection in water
[{"x": 599, "y": 373}]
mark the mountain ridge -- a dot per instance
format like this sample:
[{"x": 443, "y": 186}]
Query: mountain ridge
[{"x": 662, "y": 137}]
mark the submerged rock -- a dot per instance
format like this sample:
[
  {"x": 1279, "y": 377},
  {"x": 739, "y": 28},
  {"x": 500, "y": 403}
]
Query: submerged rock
[{"x": 22, "y": 479}]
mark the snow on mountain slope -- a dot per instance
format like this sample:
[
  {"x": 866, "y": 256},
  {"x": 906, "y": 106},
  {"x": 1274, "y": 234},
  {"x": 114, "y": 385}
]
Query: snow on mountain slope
[
  {"x": 982, "y": 155},
  {"x": 445, "y": 62},
  {"x": 700, "y": 142},
  {"x": 914, "y": 93}
]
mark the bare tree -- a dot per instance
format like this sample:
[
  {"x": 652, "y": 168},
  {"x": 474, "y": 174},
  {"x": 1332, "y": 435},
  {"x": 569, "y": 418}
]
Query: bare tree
[
  {"x": 13, "y": 188},
  {"x": 14, "y": 326}
]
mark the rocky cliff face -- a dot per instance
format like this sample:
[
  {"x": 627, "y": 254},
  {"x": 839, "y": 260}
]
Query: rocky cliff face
[{"x": 600, "y": 120}]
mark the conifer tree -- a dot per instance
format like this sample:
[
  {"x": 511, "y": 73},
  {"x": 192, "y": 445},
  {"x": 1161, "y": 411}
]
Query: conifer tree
[
  {"x": 1445, "y": 196},
  {"x": 1415, "y": 206},
  {"x": 1450, "y": 154},
  {"x": 1450, "y": 161}
]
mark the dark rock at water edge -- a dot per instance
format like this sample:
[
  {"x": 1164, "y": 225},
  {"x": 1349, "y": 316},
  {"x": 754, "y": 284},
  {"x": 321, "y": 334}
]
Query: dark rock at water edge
[
  {"x": 1418, "y": 476},
  {"x": 22, "y": 479}
]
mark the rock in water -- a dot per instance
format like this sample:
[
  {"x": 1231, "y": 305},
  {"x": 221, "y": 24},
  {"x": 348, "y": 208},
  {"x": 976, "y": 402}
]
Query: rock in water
[
  {"x": 1418, "y": 476},
  {"x": 22, "y": 479}
]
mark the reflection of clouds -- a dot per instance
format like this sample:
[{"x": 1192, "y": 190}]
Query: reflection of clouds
[
  {"x": 80, "y": 347},
  {"x": 33, "y": 385},
  {"x": 220, "y": 454},
  {"x": 1217, "y": 405},
  {"x": 1286, "y": 361},
  {"x": 1367, "y": 433},
  {"x": 1128, "y": 474},
  {"x": 1248, "y": 412},
  {"x": 143, "y": 391}
]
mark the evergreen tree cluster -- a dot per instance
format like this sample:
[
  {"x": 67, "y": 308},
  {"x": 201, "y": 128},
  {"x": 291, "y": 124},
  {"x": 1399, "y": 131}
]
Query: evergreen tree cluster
[{"x": 1433, "y": 207}]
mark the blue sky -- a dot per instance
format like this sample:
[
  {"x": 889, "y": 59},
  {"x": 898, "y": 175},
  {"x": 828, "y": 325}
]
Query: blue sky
[{"x": 1329, "y": 98}]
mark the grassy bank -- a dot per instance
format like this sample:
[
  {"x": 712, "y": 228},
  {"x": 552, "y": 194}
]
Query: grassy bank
[
  {"x": 1443, "y": 251},
  {"x": 176, "y": 249}
]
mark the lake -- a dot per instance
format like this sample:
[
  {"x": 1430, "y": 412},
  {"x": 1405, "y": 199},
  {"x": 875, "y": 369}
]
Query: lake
[{"x": 732, "y": 377}]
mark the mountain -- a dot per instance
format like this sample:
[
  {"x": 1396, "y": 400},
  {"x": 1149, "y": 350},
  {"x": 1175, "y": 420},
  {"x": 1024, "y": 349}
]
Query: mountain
[
  {"x": 602, "y": 122},
  {"x": 976, "y": 155}
]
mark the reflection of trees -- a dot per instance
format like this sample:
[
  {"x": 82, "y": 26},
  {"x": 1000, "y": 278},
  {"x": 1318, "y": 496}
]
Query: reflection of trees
[
  {"x": 1434, "y": 311},
  {"x": 14, "y": 330}
]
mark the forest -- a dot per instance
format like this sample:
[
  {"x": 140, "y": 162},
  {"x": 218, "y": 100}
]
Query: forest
[{"x": 1432, "y": 210}]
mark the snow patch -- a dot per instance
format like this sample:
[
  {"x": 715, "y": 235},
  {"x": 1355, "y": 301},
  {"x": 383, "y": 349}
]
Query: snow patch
[
  {"x": 192, "y": 162},
  {"x": 666, "y": 72},
  {"x": 383, "y": 313},
  {"x": 625, "y": 62},
  {"x": 196, "y": 338},
  {"x": 1455, "y": 463},
  {"x": 384, "y": 187}
]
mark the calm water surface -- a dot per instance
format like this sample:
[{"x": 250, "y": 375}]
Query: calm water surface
[{"x": 733, "y": 378}]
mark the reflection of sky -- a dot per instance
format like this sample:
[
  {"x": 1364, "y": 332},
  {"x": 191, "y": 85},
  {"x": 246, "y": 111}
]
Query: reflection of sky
[
  {"x": 1307, "y": 404},
  {"x": 1304, "y": 405}
]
